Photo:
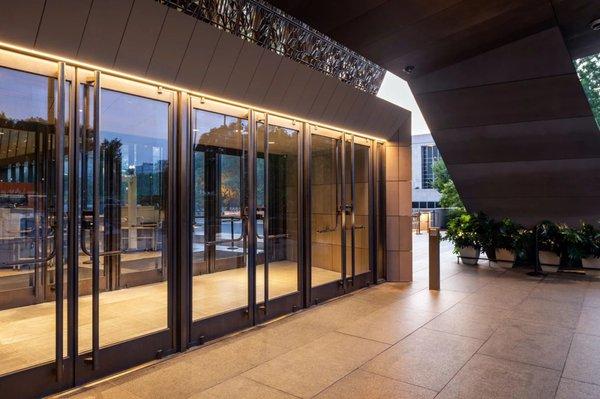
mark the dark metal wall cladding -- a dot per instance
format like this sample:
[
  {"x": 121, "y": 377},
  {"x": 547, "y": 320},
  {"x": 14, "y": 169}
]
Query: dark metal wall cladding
[
  {"x": 143, "y": 37},
  {"x": 519, "y": 137},
  {"x": 496, "y": 84}
]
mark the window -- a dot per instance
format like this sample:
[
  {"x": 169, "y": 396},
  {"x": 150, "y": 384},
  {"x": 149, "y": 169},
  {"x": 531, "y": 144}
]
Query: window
[
  {"x": 588, "y": 70},
  {"x": 429, "y": 154}
]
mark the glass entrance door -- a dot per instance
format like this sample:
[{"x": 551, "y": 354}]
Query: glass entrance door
[
  {"x": 221, "y": 219},
  {"x": 341, "y": 211},
  {"x": 34, "y": 136},
  {"x": 279, "y": 271},
  {"x": 124, "y": 257}
]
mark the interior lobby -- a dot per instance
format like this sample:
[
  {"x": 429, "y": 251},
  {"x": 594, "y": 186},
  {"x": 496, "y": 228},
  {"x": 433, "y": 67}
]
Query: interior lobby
[{"x": 210, "y": 199}]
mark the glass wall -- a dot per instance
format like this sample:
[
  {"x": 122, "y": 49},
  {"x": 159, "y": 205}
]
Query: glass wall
[
  {"x": 28, "y": 124},
  {"x": 277, "y": 215},
  {"x": 133, "y": 206},
  {"x": 133, "y": 185},
  {"x": 220, "y": 152}
]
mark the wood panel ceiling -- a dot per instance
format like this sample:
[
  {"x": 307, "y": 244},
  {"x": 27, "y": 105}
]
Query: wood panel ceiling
[{"x": 496, "y": 84}]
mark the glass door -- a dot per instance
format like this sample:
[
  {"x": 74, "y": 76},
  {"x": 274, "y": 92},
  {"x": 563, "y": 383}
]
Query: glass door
[
  {"x": 124, "y": 258},
  {"x": 341, "y": 213},
  {"x": 34, "y": 137},
  {"x": 278, "y": 248},
  {"x": 222, "y": 218}
]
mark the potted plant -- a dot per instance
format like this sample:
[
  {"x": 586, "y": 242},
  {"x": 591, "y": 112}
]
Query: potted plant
[
  {"x": 590, "y": 246},
  {"x": 572, "y": 244},
  {"x": 463, "y": 232},
  {"x": 505, "y": 237},
  {"x": 549, "y": 245}
]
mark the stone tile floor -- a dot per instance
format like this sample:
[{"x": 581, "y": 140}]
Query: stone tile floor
[{"x": 489, "y": 333}]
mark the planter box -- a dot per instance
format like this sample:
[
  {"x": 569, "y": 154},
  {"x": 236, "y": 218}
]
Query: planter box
[
  {"x": 591, "y": 263},
  {"x": 469, "y": 255},
  {"x": 505, "y": 258},
  {"x": 549, "y": 261}
]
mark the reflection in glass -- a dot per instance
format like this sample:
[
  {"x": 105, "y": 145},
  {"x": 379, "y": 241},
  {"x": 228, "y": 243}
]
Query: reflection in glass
[
  {"x": 133, "y": 203},
  {"x": 220, "y": 154},
  {"x": 282, "y": 211},
  {"x": 27, "y": 218},
  {"x": 361, "y": 209},
  {"x": 325, "y": 210}
]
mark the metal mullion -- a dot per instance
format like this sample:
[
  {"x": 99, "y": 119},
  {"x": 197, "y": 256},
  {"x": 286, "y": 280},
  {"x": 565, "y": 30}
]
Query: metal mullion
[
  {"x": 251, "y": 209},
  {"x": 59, "y": 148},
  {"x": 266, "y": 216},
  {"x": 353, "y": 209},
  {"x": 306, "y": 219},
  {"x": 300, "y": 214},
  {"x": 171, "y": 212},
  {"x": 185, "y": 201},
  {"x": 96, "y": 225},
  {"x": 73, "y": 221},
  {"x": 372, "y": 210},
  {"x": 342, "y": 166}
]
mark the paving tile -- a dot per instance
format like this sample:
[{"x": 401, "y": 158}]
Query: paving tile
[
  {"x": 106, "y": 391},
  {"x": 547, "y": 312},
  {"x": 309, "y": 369},
  {"x": 490, "y": 378},
  {"x": 426, "y": 358},
  {"x": 241, "y": 387},
  {"x": 498, "y": 296},
  {"x": 386, "y": 293},
  {"x": 361, "y": 384},
  {"x": 592, "y": 297},
  {"x": 431, "y": 301},
  {"x": 569, "y": 389},
  {"x": 468, "y": 320},
  {"x": 583, "y": 362},
  {"x": 561, "y": 290},
  {"x": 589, "y": 321},
  {"x": 388, "y": 325},
  {"x": 537, "y": 344}
]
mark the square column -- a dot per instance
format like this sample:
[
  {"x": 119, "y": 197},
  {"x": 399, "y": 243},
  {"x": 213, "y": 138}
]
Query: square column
[{"x": 398, "y": 188}]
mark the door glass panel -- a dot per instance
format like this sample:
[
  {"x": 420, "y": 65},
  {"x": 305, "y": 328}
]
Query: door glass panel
[
  {"x": 361, "y": 208},
  {"x": 27, "y": 219},
  {"x": 133, "y": 205},
  {"x": 282, "y": 211},
  {"x": 325, "y": 213},
  {"x": 220, "y": 277}
]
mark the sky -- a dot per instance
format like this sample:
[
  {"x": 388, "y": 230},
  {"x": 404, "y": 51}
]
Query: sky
[{"x": 395, "y": 90}]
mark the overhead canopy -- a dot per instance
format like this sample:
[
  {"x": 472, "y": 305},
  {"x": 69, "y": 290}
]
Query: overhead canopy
[{"x": 496, "y": 83}]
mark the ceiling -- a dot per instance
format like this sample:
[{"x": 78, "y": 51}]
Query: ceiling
[{"x": 496, "y": 84}]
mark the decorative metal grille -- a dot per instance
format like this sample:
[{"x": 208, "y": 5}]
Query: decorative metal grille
[{"x": 271, "y": 28}]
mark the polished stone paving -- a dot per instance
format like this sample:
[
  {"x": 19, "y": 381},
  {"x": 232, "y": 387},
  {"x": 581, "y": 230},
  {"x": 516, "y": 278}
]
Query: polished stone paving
[{"x": 489, "y": 333}]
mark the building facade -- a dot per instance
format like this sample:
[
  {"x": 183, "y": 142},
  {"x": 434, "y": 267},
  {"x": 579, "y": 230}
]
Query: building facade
[
  {"x": 172, "y": 182},
  {"x": 424, "y": 154}
]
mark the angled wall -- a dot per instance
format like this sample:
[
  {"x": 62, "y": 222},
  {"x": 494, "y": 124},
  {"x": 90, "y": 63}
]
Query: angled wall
[{"x": 516, "y": 130}]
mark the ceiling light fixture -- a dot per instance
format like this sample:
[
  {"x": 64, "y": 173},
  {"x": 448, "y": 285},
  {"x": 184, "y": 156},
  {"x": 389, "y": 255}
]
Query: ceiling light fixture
[
  {"x": 595, "y": 24},
  {"x": 409, "y": 69}
]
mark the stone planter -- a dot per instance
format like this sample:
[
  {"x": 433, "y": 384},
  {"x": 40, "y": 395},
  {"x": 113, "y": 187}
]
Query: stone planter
[
  {"x": 591, "y": 263},
  {"x": 505, "y": 258},
  {"x": 469, "y": 255},
  {"x": 549, "y": 261}
]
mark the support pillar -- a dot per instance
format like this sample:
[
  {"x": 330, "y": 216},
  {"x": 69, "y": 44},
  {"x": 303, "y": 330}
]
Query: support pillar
[{"x": 398, "y": 187}]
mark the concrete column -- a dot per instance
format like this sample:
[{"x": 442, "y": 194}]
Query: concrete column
[{"x": 398, "y": 187}]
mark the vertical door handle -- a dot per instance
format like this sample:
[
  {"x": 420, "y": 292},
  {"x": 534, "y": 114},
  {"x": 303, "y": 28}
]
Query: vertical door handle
[{"x": 59, "y": 151}]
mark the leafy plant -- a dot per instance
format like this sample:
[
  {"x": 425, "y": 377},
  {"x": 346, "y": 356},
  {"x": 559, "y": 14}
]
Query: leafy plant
[
  {"x": 590, "y": 246},
  {"x": 442, "y": 182},
  {"x": 505, "y": 234},
  {"x": 463, "y": 231},
  {"x": 549, "y": 237}
]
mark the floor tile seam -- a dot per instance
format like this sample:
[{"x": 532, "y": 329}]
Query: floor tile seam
[
  {"x": 521, "y": 362},
  {"x": 555, "y": 302},
  {"x": 464, "y": 364},
  {"x": 367, "y": 339},
  {"x": 562, "y": 372},
  {"x": 541, "y": 323},
  {"x": 398, "y": 380},
  {"x": 453, "y": 333},
  {"x": 583, "y": 382},
  {"x": 265, "y": 384}
]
